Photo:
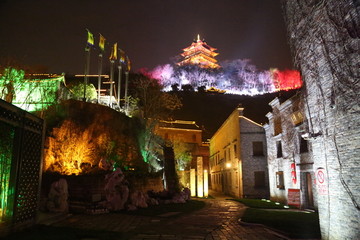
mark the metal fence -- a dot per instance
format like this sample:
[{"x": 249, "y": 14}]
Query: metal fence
[{"x": 21, "y": 148}]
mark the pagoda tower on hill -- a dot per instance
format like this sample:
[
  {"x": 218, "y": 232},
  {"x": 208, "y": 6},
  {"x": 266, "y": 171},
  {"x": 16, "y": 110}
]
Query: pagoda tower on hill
[{"x": 199, "y": 53}]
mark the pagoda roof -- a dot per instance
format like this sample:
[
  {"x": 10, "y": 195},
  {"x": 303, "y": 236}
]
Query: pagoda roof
[{"x": 199, "y": 52}]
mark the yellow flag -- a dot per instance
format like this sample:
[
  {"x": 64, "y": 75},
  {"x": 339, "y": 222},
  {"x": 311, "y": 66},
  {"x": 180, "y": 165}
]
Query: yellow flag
[
  {"x": 90, "y": 40},
  {"x": 102, "y": 43},
  {"x": 128, "y": 63},
  {"x": 113, "y": 55}
]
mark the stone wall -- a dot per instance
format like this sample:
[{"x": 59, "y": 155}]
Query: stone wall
[
  {"x": 294, "y": 163},
  {"x": 251, "y": 132},
  {"x": 325, "y": 41}
]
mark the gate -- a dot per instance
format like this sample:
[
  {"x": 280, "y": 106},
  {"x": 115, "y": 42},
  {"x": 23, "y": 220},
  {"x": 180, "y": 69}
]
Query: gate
[{"x": 21, "y": 148}]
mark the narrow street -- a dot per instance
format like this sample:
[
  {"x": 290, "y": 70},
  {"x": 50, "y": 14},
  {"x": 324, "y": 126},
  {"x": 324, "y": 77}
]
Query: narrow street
[{"x": 217, "y": 220}]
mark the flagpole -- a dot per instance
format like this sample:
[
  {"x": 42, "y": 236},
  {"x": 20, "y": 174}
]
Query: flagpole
[
  {"x": 126, "y": 91},
  {"x": 111, "y": 81},
  {"x": 119, "y": 84},
  {"x": 87, "y": 63},
  {"x": 99, "y": 77}
]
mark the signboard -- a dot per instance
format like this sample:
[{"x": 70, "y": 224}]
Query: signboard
[
  {"x": 294, "y": 197},
  {"x": 321, "y": 181}
]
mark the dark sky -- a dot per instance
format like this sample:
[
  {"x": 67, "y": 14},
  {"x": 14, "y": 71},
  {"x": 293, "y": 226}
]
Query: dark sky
[{"x": 52, "y": 32}]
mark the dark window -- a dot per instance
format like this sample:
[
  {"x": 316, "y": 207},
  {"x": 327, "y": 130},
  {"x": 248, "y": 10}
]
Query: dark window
[
  {"x": 303, "y": 145},
  {"x": 194, "y": 137},
  {"x": 277, "y": 126},
  {"x": 280, "y": 180},
  {"x": 235, "y": 150},
  {"x": 258, "y": 149},
  {"x": 279, "y": 149},
  {"x": 259, "y": 179}
]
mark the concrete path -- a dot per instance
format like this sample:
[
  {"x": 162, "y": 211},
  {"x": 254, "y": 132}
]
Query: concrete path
[{"x": 217, "y": 220}]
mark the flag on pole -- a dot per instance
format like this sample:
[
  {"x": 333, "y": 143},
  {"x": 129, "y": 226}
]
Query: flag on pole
[
  {"x": 102, "y": 43},
  {"x": 90, "y": 40},
  {"x": 113, "y": 55},
  {"x": 128, "y": 63},
  {"x": 122, "y": 56}
]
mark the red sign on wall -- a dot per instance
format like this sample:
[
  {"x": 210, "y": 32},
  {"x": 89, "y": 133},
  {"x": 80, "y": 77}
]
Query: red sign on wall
[
  {"x": 294, "y": 197},
  {"x": 321, "y": 181}
]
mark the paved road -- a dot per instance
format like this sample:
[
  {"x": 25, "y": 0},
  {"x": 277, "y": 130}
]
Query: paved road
[{"x": 217, "y": 220}]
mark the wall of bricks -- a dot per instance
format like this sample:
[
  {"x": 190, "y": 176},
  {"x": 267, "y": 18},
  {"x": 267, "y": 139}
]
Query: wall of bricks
[{"x": 325, "y": 41}]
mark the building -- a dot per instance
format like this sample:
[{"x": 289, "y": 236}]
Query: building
[
  {"x": 199, "y": 53},
  {"x": 324, "y": 37},
  {"x": 290, "y": 163},
  {"x": 238, "y": 165},
  {"x": 186, "y": 139},
  {"x": 31, "y": 92}
]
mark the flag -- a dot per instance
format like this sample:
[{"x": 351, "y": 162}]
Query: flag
[
  {"x": 113, "y": 55},
  {"x": 90, "y": 40},
  {"x": 128, "y": 63},
  {"x": 122, "y": 56},
  {"x": 102, "y": 42}
]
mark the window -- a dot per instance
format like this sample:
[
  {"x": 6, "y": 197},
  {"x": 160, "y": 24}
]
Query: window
[
  {"x": 194, "y": 138},
  {"x": 303, "y": 145},
  {"x": 278, "y": 149},
  {"x": 280, "y": 180},
  {"x": 277, "y": 126},
  {"x": 259, "y": 179},
  {"x": 258, "y": 149},
  {"x": 235, "y": 150}
]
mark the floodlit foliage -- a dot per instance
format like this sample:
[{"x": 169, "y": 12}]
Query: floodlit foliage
[
  {"x": 29, "y": 92},
  {"x": 70, "y": 150},
  {"x": 11, "y": 82},
  {"x": 183, "y": 154},
  {"x": 236, "y": 77},
  {"x": 90, "y": 138},
  {"x": 78, "y": 91}
]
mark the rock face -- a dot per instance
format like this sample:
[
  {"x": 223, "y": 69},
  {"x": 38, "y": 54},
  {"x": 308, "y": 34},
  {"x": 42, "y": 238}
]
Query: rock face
[
  {"x": 58, "y": 197},
  {"x": 116, "y": 190},
  {"x": 119, "y": 196}
]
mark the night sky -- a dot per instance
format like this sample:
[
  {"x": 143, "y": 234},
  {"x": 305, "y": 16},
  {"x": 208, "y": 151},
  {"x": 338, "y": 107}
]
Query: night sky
[{"x": 52, "y": 32}]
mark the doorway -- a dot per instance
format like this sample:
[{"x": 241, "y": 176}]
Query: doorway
[{"x": 309, "y": 191}]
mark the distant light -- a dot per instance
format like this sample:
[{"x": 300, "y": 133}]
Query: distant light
[
  {"x": 277, "y": 203},
  {"x": 268, "y": 201},
  {"x": 263, "y": 199},
  {"x": 228, "y": 165},
  {"x": 286, "y": 206}
]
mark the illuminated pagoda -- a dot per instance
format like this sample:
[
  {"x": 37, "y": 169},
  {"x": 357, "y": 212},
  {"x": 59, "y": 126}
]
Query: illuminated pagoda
[{"x": 199, "y": 53}]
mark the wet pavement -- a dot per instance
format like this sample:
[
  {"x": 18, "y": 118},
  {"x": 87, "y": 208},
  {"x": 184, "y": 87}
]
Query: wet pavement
[{"x": 219, "y": 219}]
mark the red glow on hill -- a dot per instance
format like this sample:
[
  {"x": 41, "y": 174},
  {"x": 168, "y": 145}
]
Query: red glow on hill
[{"x": 286, "y": 80}]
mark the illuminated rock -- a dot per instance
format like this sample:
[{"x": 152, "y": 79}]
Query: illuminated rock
[
  {"x": 116, "y": 190},
  {"x": 58, "y": 196}
]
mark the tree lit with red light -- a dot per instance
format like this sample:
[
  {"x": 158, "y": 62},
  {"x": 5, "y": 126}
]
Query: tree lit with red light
[{"x": 199, "y": 69}]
